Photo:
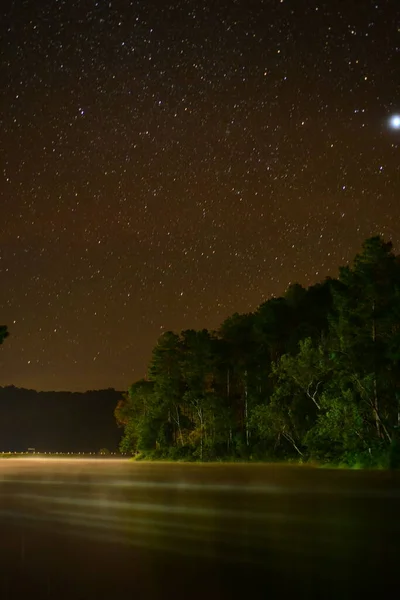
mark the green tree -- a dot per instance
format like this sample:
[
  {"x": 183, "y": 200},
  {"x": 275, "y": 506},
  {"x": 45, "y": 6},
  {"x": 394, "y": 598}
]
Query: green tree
[
  {"x": 244, "y": 370},
  {"x": 165, "y": 372},
  {"x": 315, "y": 373},
  {"x": 294, "y": 405},
  {"x": 199, "y": 374},
  {"x": 365, "y": 327},
  {"x": 136, "y": 412}
]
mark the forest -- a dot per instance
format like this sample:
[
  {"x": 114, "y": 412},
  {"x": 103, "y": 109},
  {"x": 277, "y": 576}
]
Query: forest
[
  {"x": 58, "y": 421},
  {"x": 310, "y": 376}
]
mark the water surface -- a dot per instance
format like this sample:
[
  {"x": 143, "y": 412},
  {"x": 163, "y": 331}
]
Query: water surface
[{"x": 86, "y": 529}]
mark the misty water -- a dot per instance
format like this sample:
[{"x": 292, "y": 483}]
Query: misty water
[{"x": 82, "y": 529}]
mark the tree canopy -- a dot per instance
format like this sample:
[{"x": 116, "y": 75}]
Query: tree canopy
[{"x": 314, "y": 374}]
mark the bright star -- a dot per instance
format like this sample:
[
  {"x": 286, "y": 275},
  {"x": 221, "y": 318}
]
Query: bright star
[{"x": 394, "y": 122}]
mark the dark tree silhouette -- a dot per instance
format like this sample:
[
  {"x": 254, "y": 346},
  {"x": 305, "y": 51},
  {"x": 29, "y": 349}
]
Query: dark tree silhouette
[{"x": 3, "y": 333}]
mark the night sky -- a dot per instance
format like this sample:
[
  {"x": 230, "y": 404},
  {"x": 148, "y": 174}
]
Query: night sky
[{"x": 165, "y": 164}]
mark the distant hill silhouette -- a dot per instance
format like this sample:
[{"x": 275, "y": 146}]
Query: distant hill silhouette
[{"x": 58, "y": 421}]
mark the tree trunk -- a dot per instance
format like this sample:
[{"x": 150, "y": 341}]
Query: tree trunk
[
  {"x": 201, "y": 437},
  {"x": 200, "y": 413},
  {"x": 246, "y": 411},
  {"x": 376, "y": 411},
  {"x": 230, "y": 438},
  {"x": 228, "y": 395},
  {"x": 398, "y": 412},
  {"x": 178, "y": 422},
  {"x": 291, "y": 440},
  {"x": 375, "y": 386}
]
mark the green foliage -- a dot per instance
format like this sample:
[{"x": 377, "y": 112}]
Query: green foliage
[{"x": 313, "y": 375}]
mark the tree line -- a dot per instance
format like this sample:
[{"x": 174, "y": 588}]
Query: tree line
[
  {"x": 58, "y": 421},
  {"x": 312, "y": 375}
]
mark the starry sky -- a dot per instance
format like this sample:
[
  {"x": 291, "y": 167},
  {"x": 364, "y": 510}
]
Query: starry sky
[{"x": 165, "y": 164}]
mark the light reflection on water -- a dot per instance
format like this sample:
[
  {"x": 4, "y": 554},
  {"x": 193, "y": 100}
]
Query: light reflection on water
[{"x": 81, "y": 527}]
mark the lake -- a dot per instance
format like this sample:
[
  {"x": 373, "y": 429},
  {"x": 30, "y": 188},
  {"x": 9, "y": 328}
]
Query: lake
[{"x": 88, "y": 529}]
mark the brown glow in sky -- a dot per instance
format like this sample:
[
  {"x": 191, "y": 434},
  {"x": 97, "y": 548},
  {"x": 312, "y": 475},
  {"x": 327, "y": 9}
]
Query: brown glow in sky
[{"x": 167, "y": 164}]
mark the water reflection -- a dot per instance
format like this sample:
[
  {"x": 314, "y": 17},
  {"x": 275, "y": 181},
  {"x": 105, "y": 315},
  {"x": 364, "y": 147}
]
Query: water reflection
[{"x": 94, "y": 529}]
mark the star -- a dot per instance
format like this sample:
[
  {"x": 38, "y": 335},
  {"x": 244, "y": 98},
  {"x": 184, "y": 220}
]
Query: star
[
  {"x": 394, "y": 122},
  {"x": 165, "y": 169}
]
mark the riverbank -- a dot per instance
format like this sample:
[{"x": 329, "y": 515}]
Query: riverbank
[
  {"x": 312, "y": 464},
  {"x": 141, "y": 458}
]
